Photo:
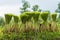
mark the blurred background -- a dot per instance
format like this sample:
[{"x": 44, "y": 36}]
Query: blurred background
[{"x": 13, "y": 6}]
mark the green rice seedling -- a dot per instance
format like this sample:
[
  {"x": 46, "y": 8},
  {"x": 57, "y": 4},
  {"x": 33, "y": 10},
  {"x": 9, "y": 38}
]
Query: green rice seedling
[
  {"x": 24, "y": 19},
  {"x": 8, "y": 18},
  {"x": 54, "y": 25},
  {"x": 54, "y": 16},
  {"x": 44, "y": 16},
  {"x": 30, "y": 16},
  {"x": 16, "y": 19},
  {"x": 46, "y": 19},
  {"x": 35, "y": 19}
]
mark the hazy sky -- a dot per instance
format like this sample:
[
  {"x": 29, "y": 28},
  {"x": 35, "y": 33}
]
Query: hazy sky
[{"x": 12, "y": 6}]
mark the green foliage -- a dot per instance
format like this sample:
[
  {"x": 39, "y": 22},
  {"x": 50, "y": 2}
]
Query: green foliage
[
  {"x": 8, "y": 18},
  {"x": 54, "y": 16},
  {"x": 49, "y": 35},
  {"x": 25, "y": 6},
  {"x": 59, "y": 5},
  {"x": 58, "y": 9},
  {"x": 12, "y": 36},
  {"x": 34, "y": 35},
  {"x": 44, "y": 15},
  {"x": 16, "y": 19},
  {"x": 35, "y": 8}
]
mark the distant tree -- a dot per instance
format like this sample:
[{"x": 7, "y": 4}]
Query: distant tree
[
  {"x": 36, "y": 8},
  {"x": 25, "y": 6},
  {"x": 39, "y": 10},
  {"x": 58, "y": 9}
]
